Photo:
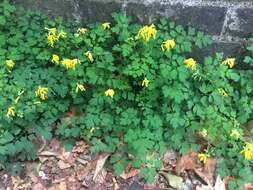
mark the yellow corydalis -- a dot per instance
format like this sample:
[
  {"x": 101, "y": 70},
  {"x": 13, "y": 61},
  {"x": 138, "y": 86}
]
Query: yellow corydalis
[
  {"x": 230, "y": 62},
  {"x": 70, "y": 63},
  {"x": 203, "y": 157},
  {"x": 53, "y": 35},
  {"x": 248, "y": 151},
  {"x": 235, "y": 134},
  {"x": 10, "y": 63},
  {"x": 168, "y": 45},
  {"x": 41, "y": 92},
  {"x": 109, "y": 92},
  {"x": 89, "y": 56},
  {"x": 222, "y": 92},
  {"x": 145, "y": 82},
  {"x": 147, "y": 32},
  {"x": 203, "y": 133},
  {"x": 190, "y": 63},
  {"x": 55, "y": 59},
  {"x": 82, "y": 30},
  {"x": 10, "y": 112},
  {"x": 106, "y": 25},
  {"x": 80, "y": 87}
]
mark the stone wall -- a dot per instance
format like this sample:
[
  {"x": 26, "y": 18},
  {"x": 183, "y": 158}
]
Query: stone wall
[{"x": 230, "y": 22}]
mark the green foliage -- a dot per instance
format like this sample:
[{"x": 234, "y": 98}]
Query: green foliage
[{"x": 139, "y": 121}]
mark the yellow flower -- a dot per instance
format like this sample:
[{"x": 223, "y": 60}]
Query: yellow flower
[
  {"x": 10, "y": 63},
  {"x": 230, "y": 62},
  {"x": 110, "y": 92},
  {"x": 89, "y": 56},
  {"x": 147, "y": 32},
  {"x": 248, "y": 151},
  {"x": 106, "y": 25},
  {"x": 70, "y": 63},
  {"x": 190, "y": 63},
  {"x": 76, "y": 61},
  {"x": 55, "y": 59},
  {"x": 82, "y": 30},
  {"x": 41, "y": 92},
  {"x": 223, "y": 92},
  {"x": 203, "y": 133},
  {"x": 235, "y": 134},
  {"x": 10, "y": 112},
  {"x": 168, "y": 45},
  {"x": 53, "y": 35},
  {"x": 203, "y": 157},
  {"x": 80, "y": 87},
  {"x": 145, "y": 82}
]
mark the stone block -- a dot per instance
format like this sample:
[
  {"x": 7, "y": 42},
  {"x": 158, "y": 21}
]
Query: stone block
[{"x": 207, "y": 19}]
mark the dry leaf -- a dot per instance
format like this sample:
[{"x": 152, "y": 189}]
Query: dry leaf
[
  {"x": 38, "y": 186},
  {"x": 63, "y": 165},
  {"x": 100, "y": 165},
  {"x": 174, "y": 181},
  {"x": 60, "y": 186},
  {"x": 248, "y": 186},
  {"x": 130, "y": 174},
  {"x": 207, "y": 173},
  {"x": 187, "y": 162},
  {"x": 80, "y": 147}
]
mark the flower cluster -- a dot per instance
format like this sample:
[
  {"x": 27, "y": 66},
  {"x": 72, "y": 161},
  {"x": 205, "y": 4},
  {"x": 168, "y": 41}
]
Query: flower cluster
[
  {"x": 41, "y": 92},
  {"x": 89, "y": 56},
  {"x": 55, "y": 59},
  {"x": 109, "y": 92},
  {"x": 222, "y": 92},
  {"x": 248, "y": 151},
  {"x": 10, "y": 64},
  {"x": 70, "y": 63},
  {"x": 53, "y": 35},
  {"x": 10, "y": 112},
  {"x": 190, "y": 63},
  {"x": 147, "y": 32},
  {"x": 230, "y": 62},
  {"x": 203, "y": 157},
  {"x": 145, "y": 82},
  {"x": 80, "y": 87},
  {"x": 168, "y": 45},
  {"x": 235, "y": 134},
  {"x": 106, "y": 25}
]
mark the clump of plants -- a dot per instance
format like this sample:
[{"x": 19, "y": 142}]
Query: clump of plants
[{"x": 133, "y": 90}]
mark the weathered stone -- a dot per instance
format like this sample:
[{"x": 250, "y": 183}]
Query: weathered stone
[
  {"x": 52, "y": 8},
  {"x": 94, "y": 11},
  {"x": 208, "y": 19},
  {"x": 229, "y": 20}
]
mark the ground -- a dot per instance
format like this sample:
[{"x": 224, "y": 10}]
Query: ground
[{"x": 57, "y": 169}]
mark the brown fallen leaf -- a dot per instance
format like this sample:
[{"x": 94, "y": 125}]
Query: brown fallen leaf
[
  {"x": 248, "y": 186},
  {"x": 187, "y": 162},
  {"x": 54, "y": 145},
  {"x": 38, "y": 186},
  {"x": 80, "y": 148},
  {"x": 60, "y": 186},
  {"x": 129, "y": 174},
  {"x": 207, "y": 173},
  {"x": 174, "y": 181},
  {"x": 100, "y": 164},
  {"x": 63, "y": 165}
]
